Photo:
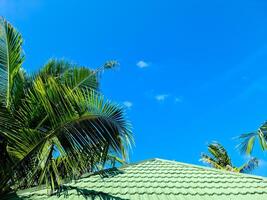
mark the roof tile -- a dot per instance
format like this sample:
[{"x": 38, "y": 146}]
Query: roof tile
[{"x": 161, "y": 179}]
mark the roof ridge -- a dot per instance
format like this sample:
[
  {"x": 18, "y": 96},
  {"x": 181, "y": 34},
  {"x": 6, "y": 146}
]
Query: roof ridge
[
  {"x": 208, "y": 168},
  {"x": 138, "y": 162},
  {"x": 181, "y": 163}
]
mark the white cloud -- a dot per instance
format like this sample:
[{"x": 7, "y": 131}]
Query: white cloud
[
  {"x": 127, "y": 104},
  {"x": 161, "y": 97},
  {"x": 142, "y": 64}
]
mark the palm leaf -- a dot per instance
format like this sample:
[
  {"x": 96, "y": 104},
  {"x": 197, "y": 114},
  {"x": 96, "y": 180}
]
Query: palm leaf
[
  {"x": 249, "y": 166},
  {"x": 11, "y": 59},
  {"x": 79, "y": 124},
  {"x": 220, "y": 159},
  {"x": 219, "y": 153},
  {"x": 73, "y": 75},
  {"x": 209, "y": 160},
  {"x": 248, "y": 140},
  {"x": 69, "y": 73},
  {"x": 54, "y": 124}
]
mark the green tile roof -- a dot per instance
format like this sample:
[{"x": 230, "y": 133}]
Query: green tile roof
[{"x": 159, "y": 179}]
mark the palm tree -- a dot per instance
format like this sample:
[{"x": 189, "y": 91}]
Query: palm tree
[
  {"x": 220, "y": 159},
  {"x": 55, "y": 124},
  {"x": 248, "y": 140}
]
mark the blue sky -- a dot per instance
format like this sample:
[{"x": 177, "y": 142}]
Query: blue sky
[{"x": 190, "y": 71}]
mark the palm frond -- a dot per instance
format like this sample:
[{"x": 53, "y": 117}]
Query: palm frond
[
  {"x": 54, "y": 125},
  {"x": 252, "y": 164},
  {"x": 113, "y": 159},
  {"x": 73, "y": 75},
  {"x": 19, "y": 89},
  {"x": 219, "y": 153},
  {"x": 98, "y": 72},
  {"x": 9, "y": 128},
  {"x": 210, "y": 161},
  {"x": 79, "y": 124},
  {"x": 248, "y": 140},
  {"x": 110, "y": 64},
  {"x": 69, "y": 73},
  {"x": 11, "y": 59},
  {"x": 220, "y": 159},
  {"x": 262, "y": 135}
]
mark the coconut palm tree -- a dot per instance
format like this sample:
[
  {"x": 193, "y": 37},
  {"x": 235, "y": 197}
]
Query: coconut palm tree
[
  {"x": 220, "y": 159},
  {"x": 55, "y": 124},
  {"x": 248, "y": 140}
]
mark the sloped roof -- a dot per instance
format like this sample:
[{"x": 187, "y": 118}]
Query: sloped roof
[{"x": 160, "y": 179}]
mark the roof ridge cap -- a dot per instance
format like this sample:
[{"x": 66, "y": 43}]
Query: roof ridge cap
[
  {"x": 213, "y": 169},
  {"x": 138, "y": 162}
]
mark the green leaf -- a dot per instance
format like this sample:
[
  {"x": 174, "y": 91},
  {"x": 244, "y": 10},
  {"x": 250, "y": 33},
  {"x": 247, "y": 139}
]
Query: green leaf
[
  {"x": 81, "y": 124},
  {"x": 250, "y": 144},
  {"x": 247, "y": 142},
  {"x": 11, "y": 59},
  {"x": 249, "y": 166}
]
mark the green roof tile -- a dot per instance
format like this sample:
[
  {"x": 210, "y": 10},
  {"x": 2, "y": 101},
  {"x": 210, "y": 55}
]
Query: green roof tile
[{"x": 158, "y": 179}]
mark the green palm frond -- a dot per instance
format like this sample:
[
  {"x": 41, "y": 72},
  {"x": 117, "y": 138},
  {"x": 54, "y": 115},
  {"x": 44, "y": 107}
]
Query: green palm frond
[
  {"x": 19, "y": 89},
  {"x": 220, "y": 159},
  {"x": 110, "y": 64},
  {"x": 210, "y": 161},
  {"x": 248, "y": 140},
  {"x": 219, "y": 153},
  {"x": 11, "y": 89},
  {"x": 252, "y": 164},
  {"x": 73, "y": 75},
  {"x": 113, "y": 159},
  {"x": 55, "y": 124},
  {"x": 70, "y": 74},
  {"x": 11, "y": 59},
  {"x": 9, "y": 126},
  {"x": 97, "y": 73},
  {"x": 79, "y": 124}
]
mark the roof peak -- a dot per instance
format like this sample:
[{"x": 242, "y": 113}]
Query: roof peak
[{"x": 196, "y": 166}]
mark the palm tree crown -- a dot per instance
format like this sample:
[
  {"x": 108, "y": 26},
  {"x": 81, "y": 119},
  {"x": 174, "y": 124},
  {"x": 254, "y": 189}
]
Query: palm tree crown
[
  {"x": 220, "y": 159},
  {"x": 55, "y": 124}
]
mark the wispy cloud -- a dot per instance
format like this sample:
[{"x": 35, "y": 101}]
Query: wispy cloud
[
  {"x": 161, "y": 97},
  {"x": 128, "y": 104},
  {"x": 142, "y": 64}
]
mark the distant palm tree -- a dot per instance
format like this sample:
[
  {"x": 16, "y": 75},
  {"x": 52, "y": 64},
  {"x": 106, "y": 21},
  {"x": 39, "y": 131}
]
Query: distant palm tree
[
  {"x": 248, "y": 139},
  {"x": 55, "y": 124},
  {"x": 220, "y": 159}
]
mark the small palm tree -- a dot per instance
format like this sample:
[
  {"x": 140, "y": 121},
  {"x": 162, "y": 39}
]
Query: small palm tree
[
  {"x": 55, "y": 124},
  {"x": 248, "y": 139},
  {"x": 220, "y": 159}
]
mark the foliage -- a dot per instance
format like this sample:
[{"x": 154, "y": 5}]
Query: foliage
[
  {"x": 54, "y": 125},
  {"x": 219, "y": 159},
  {"x": 248, "y": 140}
]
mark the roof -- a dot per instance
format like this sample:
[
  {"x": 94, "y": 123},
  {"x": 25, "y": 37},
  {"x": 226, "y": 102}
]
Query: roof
[{"x": 160, "y": 179}]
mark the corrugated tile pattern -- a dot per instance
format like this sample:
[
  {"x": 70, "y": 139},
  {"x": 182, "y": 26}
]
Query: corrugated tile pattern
[{"x": 161, "y": 179}]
